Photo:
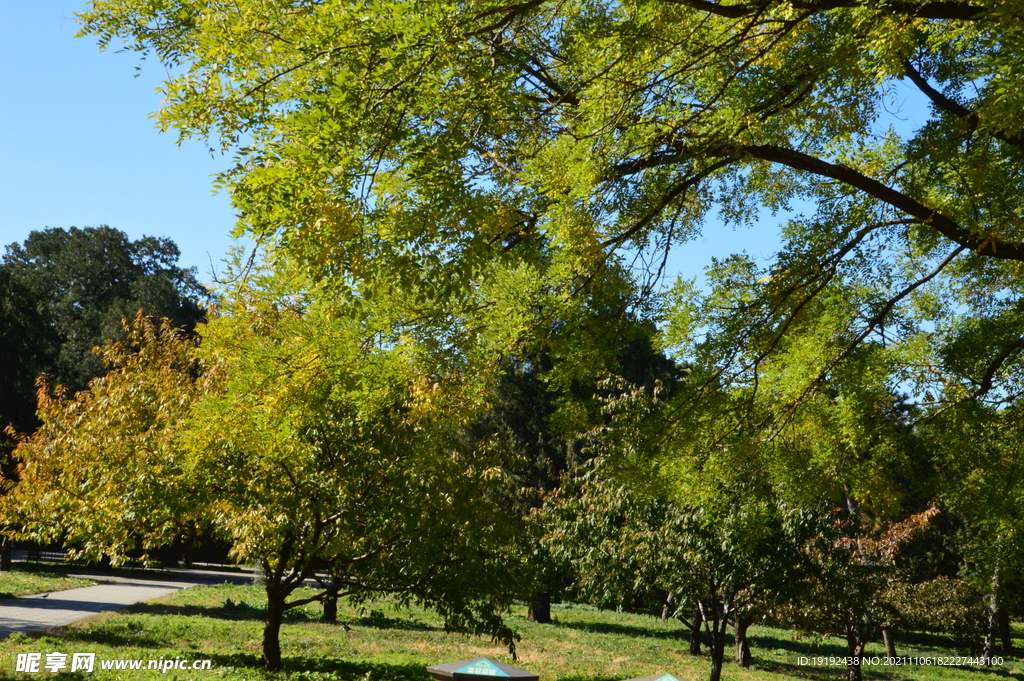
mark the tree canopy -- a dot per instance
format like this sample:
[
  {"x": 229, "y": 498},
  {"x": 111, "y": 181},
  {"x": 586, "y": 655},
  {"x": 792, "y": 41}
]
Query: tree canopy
[
  {"x": 462, "y": 202},
  {"x": 425, "y": 145},
  {"x": 64, "y": 292}
]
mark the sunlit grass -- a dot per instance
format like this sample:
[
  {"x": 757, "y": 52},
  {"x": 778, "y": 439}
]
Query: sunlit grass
[
  {"x": 387, "y": 643},
  {"x": 21, "y": 582}
]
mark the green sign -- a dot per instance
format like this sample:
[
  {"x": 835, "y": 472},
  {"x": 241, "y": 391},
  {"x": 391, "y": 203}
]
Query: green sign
[
  {"x": 666, "y": 677},
  {"x": 484, "y": 667}
]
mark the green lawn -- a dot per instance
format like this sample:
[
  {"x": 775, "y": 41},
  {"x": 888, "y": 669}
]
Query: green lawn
[
  {"x": 224, "y": 624},
  {"x": 22, "y": 581}
]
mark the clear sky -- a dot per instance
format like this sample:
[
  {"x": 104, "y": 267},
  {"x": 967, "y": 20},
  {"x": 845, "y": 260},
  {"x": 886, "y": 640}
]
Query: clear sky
[{"x": 77, "y": 147}]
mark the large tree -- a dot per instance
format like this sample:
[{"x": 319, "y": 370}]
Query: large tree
[
  {"x": 415, "y": 143},
  {"x": 64, "y": 292},
  {"x": 309, "y": 437}
]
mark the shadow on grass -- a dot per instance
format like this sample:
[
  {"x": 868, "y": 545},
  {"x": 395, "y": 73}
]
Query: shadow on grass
[
  {"x": 338, "y": 668},
  {"x": 768, "y": 642},
  {"x": 378, "y": 621},
  {"x": 625, "y": 630},
  {"x": 119, "y": 636},
  {"x": 943, "y": 642},
  {"x": 246, "y": 612},
  {"x": 229, "y": 611},
  {"x": 235, "y": 612}
]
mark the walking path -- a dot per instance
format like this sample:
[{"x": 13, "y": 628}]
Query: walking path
[{"x": 44, "y": 611}]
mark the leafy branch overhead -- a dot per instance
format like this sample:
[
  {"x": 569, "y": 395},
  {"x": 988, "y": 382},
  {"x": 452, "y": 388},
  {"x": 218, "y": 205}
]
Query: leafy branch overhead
[{"x": 431, "y": 146}]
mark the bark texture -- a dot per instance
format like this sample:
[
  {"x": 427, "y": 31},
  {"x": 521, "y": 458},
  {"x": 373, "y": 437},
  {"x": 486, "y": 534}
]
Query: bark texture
[
  {"x": 889, "y": 639},
  {"x": 272, "y": 631},
  {"x": 695, "y": 624},
  {"x": 540, "y": 608},
  {"x": 743, "y": 656}
]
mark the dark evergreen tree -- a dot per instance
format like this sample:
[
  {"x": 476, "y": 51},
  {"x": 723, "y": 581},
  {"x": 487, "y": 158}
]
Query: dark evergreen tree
[{"x": 84, "y": 281}]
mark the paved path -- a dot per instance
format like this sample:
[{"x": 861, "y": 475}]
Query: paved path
[{"x": 44, "y": 611}]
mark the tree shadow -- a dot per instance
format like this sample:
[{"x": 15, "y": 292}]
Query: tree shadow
[
  {"x": 625, "y": 630},
  {"x": 111, "y": 636},
  {"x": 768, "y": 642},
  {"x": 332, "y": 667},
  {"x": 242, "y": 611},
  {"x": 379, "y": 621},
  {"x": 815, "y": 673},
  {"x": 239, "y": 612},
  {"x": 944, "y": 642}
]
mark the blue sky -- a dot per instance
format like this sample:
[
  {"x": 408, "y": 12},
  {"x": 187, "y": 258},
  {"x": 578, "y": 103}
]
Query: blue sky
[{"x": 77, "y": 147}]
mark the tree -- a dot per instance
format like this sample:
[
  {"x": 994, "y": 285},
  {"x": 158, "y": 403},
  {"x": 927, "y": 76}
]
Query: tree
[
  {"x": 985, "y": 490},
  {"x": 729, "y": 561},
  {"x": 547, "y": 395},
  {"x": 85, "y": 281},
  {"x": 387, "y": 143},
  {"x": 851, "y": 578},
  {"x": 64, "y": 292},
  {"x": 28, "y": 343},
  {"x": 312, "y": 444},
  {"x": 105, "y": 473},
  {"x": 329, "y": 449}
]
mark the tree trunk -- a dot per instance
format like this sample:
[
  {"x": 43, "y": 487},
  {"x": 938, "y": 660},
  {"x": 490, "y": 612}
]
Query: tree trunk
[
  {"x": 1004, "y": 632},
  {"x": 743, "y": 656},
  {"x": 992, "y": 630},
  {"x": 331, "y": 600},
  {"x": 717, "y": 658},
  {"x": 889, "y": 638},
  {"x": 855, "y": 652},
  {"x": 695, "y": 625},
  {"x": 5, "y": 553},
  {"x": 272, "y": 630},
  {"x": 540, "y": 608},
  {"x": 719, "y": 623},
  {"x": 668, "y": 606},
  {"x": 331, "y": 606}
]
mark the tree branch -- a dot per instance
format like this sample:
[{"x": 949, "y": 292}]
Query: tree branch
[
  {"x": 943, "y": 102},
  {"x": 990, "y": 246},
  {"x": 985, "y": 384},
  {"x": 666, "y": 200},
  {"x": 510, "y": 14},
  {"x": 872, "y": 324},
  {"x": 931, "y": 10},
  {"x": 938, "y": 99}
]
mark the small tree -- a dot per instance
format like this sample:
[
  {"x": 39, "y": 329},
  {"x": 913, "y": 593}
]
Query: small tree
[
  {"x": 327, "y": 450},
  {"x": 849, "y": 577},
  {"x": 726, "y": 560},
  {"x": 288, "y": 434},
  {"x": 106, "y": 472}
]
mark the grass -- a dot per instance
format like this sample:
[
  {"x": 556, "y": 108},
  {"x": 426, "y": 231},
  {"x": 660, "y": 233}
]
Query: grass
[
  {"x": 386, "y": 643},
  {"x": 22, "y": 581}
]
